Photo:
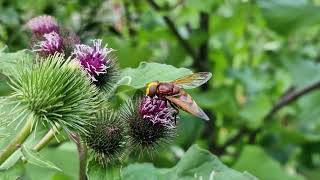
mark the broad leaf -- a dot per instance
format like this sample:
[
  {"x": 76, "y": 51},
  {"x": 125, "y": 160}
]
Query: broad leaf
[
  {"x": 13, "y": 173},
  {"x": 254, "y": 160},
  {"x": 195, "y": 164},
  {"x": 9, "y": 61},
  {"x": 286, "y": 16},
  {"x": 147, "y": 72},
  {"x": 303, "y": 72},
  {"x": 36, "y": 159},
  {"x": 65, "y": 157},
  {"x": 97, "y": 172},
  {"x": 5, "y": 89},
  {"x": 255, "y": 110}
]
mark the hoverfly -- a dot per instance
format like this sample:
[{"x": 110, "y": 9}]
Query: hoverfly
[{"x": 174, "y": 92}]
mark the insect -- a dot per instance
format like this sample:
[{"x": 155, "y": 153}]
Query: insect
[{"x": 174, "y": 92}]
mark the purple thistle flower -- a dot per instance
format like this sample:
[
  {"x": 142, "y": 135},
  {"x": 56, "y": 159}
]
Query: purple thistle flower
[
  {"x": 43, "y": 25},
  {"x": 51, "y": 44},
  {"x": 157, "y": 111},
  {"x": 94, "y": 59}
]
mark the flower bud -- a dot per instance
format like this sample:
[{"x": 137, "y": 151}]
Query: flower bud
[{"x": 106, "y": 137}]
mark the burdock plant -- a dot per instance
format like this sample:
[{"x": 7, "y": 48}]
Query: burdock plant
[
  {"x": 97, "y": 61},
  {"x": 51, "y": 44},
  {"x": 53, "y": 91},
  {"x": 151, "y": 122},
  {"x": 70, "y": 94},
  {"x": 43, "y": 25},
  {"x": 106, "y": 137},
  {"x": 49, "y": 38}
]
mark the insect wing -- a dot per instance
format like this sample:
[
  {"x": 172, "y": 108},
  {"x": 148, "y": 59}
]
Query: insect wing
[
  {"x": 184, "y": 101},
  {"x": 193, "y": 80}
]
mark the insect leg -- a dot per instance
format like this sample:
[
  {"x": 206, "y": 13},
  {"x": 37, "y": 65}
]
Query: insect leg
[{"x": 176, "y": 113}]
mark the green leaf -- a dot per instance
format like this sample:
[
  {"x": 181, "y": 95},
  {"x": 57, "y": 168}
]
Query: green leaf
[
  {"x": 35, "y": 158},
  {"x": 97, "y": 172},
  {"x": 255, "y": 110},
  {"x": 13, "y": 173},
  {"x": 5, "y": 89},
  {"x": 189, "y": 130},
  {"x": 308, "y": 122},
  {"x": 205, "y": 5},
  {"x": 286, "y": 16},
  {"x": 303, "y": 72},
  {"x": 65, "y": 156},
  {"x": 254, "y": 160},
  {"x": 195, "y": 164},
  {"x": 147, "y": 72},
  {"x": 9, "y": 61}
]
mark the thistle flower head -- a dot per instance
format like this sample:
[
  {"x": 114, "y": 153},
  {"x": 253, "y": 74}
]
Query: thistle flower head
[
  {"x": 43, "y": 25},
  {"x": 51, "y": 44},
  {"x": 94, "y": 59},
  {"x": 55, "y": 91},
  {"x": 106, "y": 137},
  {"x": 157, "y": 111},
  {"x": 150, "y": 122}
]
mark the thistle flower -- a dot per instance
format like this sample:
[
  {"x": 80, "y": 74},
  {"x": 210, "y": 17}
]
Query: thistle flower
[
  {"x": 51, "y": 44},
  {"x": 150, "y": 122},
  {"x": 55, "y": 92},
  {"x": 98, "y": 64},
  {"x": 106, "y": 137},
  {"x": 43, "y": 25},
  {"x": 157, "y": 111}
]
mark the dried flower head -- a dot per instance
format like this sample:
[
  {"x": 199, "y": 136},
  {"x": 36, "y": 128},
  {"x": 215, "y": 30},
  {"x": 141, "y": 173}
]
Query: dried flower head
[
  {"x": 51, "y": 44},
  {"x": 97, "y": 62},
  {"x": 55, "y": 91},
  {"x": 150, "y": 122},
  {"x": 106, "y": 137},
  {"x": 43, "y": 25}
]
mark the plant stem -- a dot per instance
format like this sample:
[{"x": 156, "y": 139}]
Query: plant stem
[
  {"x": 17, "y": 141},
  {"x": 83, "y": 162},
  {"x": 82, "y": 150},
  {"x": 47, "y": 138},
  {"x": 44, "y": 141}
]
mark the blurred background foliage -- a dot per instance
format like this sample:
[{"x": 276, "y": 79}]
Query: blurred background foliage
[{"x": 264, "y": 56}]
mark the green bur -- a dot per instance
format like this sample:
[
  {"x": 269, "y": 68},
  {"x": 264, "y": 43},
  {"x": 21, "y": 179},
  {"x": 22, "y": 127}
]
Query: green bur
[{"x": 56, "y": 92}]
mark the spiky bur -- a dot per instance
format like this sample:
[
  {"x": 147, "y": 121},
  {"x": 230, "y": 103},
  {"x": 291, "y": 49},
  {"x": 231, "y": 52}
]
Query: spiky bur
[
  {"x": 56, "y": 92},
  {"x": 96, "y": 60},
  {"x": 106, "y": 137},
  {"x": 151, "y": 122}
]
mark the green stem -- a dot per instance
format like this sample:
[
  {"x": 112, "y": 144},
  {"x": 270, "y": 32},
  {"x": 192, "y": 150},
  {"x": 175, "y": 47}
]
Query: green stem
[
  {"x": 17, "y": 141},
  {"x": 44, "y": 141},
  {"x": 83, "y": 152},
  {"x": 83, "y": 162},
  {"x": 47, "y": 138}
]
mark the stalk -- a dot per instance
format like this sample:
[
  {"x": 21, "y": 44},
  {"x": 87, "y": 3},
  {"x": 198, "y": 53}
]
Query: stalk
[
  {"x": 47, "y": 138},
  {"x": 17, "y": 141},
  {"x": 82, "y": 150},
  {"x": 83, "y": 162}
]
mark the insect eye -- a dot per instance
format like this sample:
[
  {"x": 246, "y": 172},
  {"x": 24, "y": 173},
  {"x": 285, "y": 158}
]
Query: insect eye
[{"x": 152, "y": 90}]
